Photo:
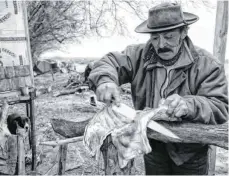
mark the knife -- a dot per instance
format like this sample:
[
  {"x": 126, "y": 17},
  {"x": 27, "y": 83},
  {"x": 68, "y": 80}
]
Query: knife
[
  {"x": 131, "y": 113},
  {"x": 161, "y": 129}
]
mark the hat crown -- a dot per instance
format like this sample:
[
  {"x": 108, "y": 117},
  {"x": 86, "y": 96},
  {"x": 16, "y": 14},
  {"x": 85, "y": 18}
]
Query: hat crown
[{"x": 165, "y": 15}]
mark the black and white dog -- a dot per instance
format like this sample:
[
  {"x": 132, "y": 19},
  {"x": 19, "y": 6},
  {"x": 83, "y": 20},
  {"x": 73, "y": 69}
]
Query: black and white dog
[{"x": 15, "y": 121}]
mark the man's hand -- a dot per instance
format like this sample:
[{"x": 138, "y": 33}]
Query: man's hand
[
  {"x": 107, "y": 93},
  {"x": 177, "y": 106}
]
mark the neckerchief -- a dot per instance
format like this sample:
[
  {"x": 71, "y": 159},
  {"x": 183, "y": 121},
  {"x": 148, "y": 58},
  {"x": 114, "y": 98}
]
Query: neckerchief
[{"x": 152, "y": 57}]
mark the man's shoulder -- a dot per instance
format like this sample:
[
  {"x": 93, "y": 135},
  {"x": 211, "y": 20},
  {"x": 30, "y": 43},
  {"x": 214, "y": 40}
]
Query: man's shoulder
[{"x": 205, "y": 58}]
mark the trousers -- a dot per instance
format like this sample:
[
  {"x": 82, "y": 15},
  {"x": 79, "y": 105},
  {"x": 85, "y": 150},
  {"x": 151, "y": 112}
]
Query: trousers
[{"x": 158, "y": 162}]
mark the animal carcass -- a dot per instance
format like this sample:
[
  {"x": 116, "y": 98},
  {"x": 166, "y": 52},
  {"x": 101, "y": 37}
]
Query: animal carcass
[{"x": 128, "y": 134}]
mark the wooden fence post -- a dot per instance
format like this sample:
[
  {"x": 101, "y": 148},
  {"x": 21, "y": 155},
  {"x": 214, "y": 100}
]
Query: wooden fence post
[
  {"x": 21, "y": 151},
  {"x": 221, "y": 30},
  {"x": 62, "y": 159},
  {"x": 219, "y": 51}
]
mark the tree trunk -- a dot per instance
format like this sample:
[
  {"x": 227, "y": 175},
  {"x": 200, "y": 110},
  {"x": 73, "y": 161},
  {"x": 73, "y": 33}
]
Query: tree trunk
[
  {"x": 188, "y": 132},
  {"x": 62, "y": 159},
  {"x": 195, "y": 133}
]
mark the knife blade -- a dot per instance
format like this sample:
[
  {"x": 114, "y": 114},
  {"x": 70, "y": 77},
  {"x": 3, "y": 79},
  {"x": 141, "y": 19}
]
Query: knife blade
[{"x": 161, "y": 129}]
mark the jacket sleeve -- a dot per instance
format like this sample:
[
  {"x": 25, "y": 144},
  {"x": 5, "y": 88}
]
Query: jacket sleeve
[
  {"x": 117, "y": 67},
  {"x": 210, "y": 103}
]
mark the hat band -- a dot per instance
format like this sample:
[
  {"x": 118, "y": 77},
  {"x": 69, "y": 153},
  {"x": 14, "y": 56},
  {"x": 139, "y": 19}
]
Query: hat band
[{"x": 164, "y": 26}]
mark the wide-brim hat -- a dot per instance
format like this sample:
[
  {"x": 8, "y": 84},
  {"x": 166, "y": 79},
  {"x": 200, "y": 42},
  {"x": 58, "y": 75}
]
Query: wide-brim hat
[{"x": 165, "y": 17}]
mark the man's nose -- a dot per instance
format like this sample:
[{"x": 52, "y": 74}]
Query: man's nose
[{"x": 162, "y": 42}]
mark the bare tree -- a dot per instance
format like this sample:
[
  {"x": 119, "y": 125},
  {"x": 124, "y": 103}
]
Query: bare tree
[{"x": 52, "y": 23}]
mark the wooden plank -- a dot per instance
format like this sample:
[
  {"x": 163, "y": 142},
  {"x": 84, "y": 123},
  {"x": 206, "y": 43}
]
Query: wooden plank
[
  {"x": 12, "y": 154},
  {"x": 212, "y": 159},
  {"x": 21, "y": 151},
  {"x": 33, "y": 129},
  {"x": 62, "y": 159},
  {"x": 26, "y": 24},
  {"x": 62, "y": 142},
  {"x": 219, "y": 51},
  {"x": 9, "y": 94},
  {"x": 221, "y": 30}
]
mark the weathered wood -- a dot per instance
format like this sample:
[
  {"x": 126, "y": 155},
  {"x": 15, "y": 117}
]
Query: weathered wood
[
  {"x": 212, "y": 159},
  {"x": 15, "y": 99},
  {"x": 33, "y": 129},
  {"x": 4, "y": 131},
  {"x": 8, "y": 144},
  {"x": 62, "y": 159},
  {"x": 62, "y": 142},
  {"x": 188, "y": 132},
  {"x": 221, "y": 30},
  {"x": 12, "y": 154},
  {"x": 219, "y": 51},
  {"x": 21, "y": 133},
  {"x": 195, "y": 133}
]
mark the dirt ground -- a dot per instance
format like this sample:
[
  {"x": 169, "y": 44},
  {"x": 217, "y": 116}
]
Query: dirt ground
[{"x": 76, "y": 107}]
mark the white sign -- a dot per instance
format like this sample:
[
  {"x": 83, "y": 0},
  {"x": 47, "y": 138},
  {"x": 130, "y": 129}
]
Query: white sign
[{"x": 13, "y": 46}]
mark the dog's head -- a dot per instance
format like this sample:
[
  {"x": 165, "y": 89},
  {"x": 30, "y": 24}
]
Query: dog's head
[{"x": 15, "y": 121}]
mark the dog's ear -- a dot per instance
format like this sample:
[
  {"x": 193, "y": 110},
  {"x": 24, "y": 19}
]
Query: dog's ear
[
  {"x": 12, "y": 121},
  {"x": 13, "y": 117},
  {"x": 26, "y": 119}
]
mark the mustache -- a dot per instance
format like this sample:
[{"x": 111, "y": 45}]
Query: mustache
[{"x": 163, "y": 50}]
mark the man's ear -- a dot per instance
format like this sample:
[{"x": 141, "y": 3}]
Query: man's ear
[{"x": 184, "y": 32}]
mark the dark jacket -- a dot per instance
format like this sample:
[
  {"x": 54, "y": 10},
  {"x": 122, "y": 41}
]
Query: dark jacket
[{"x": 198, "y": 77}]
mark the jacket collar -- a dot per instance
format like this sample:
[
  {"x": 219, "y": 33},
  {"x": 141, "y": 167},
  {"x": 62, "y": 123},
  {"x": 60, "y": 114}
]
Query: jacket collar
[{"x": 188, "y": 56}]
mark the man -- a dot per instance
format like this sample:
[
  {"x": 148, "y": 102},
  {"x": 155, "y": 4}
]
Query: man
[{"x": 170, "y": 68}]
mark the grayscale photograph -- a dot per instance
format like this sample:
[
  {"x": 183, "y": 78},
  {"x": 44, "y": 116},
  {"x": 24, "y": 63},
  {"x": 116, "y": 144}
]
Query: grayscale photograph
[{"x": 114, "y": 87}]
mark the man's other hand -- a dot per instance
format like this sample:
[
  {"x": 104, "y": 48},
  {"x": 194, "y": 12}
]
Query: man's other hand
[
  {"x": 177, "y": 106},
  {"x": 107, "y": 93}
]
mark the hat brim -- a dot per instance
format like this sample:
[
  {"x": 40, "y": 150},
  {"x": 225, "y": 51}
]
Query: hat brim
[{"x": 188, "y": 17}]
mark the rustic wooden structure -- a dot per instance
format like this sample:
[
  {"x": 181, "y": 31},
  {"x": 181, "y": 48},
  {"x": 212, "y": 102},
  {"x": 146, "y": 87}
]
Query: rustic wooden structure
[
  {"x": 219, "y": 51},
  {"x": 21, "y": 133},
  {"x": 16, "y": 72},
  {"x": 216, "y": 135},
  {"x": 63, "y": 146},
  {"x": 14, "y": 149}
]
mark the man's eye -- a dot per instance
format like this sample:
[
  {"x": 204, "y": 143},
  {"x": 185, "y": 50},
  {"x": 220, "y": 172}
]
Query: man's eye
[
  {"x": 168, "y": 37},
  {"x": 154, "y": 38}
]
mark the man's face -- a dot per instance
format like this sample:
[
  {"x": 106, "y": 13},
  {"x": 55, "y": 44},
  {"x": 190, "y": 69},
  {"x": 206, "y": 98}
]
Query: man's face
[{"x": 167, "y": 44}]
